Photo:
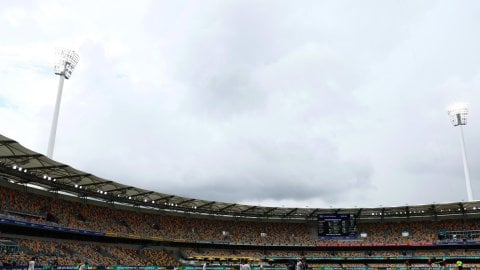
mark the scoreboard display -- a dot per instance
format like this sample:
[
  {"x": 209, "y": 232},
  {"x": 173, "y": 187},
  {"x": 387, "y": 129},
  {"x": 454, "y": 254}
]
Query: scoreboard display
[{"x": 336, "y": 225}]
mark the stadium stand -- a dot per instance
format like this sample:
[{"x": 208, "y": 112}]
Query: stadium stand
[{"x": 59, "y": 224}]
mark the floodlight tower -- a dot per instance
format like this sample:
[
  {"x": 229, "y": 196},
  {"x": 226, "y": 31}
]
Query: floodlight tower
[
  {"x": 458, "y": 113},
  {"x": 64, "y": 66}
]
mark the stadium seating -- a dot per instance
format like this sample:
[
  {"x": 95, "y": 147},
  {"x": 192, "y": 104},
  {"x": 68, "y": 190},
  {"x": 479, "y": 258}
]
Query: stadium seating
[{"x": 26, "y": 206}]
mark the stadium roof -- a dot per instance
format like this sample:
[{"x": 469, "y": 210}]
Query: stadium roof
[{"x": 24, "y": 166}]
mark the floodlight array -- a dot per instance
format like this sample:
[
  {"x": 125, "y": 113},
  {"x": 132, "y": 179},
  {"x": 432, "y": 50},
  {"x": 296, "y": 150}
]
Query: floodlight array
[
  {"x": 458, "y": 113},
  {"x": 66, "y": 62}
]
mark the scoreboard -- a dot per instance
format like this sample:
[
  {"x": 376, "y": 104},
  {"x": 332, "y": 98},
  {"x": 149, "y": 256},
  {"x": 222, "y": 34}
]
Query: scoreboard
[{"x": 336, "y": 225}]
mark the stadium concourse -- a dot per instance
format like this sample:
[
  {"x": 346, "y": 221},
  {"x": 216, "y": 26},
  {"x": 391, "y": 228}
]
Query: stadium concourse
[{"x": 64, "y": 217}]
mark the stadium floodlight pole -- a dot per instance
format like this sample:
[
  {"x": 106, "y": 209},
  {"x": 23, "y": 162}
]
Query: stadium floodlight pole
[
  {"x": 64, "y": 66},
  {"x": 458, "y": 113}
]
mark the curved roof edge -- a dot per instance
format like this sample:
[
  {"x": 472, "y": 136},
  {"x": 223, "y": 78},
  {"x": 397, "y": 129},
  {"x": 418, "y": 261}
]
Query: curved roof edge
[{"x": 24, "y": 166}]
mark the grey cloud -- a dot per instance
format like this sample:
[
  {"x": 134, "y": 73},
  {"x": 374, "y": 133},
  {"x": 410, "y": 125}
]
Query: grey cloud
[
  {"x": 275, "y": 170},
  {"x": 295, "y": 106},
  {"x": 334, "y": 102}
]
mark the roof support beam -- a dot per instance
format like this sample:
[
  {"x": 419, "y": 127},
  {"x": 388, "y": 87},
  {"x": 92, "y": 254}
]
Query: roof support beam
[
  {"x": 22, "y": 156},
  {"x": 313, "y": 212},
  {"x": 205, "y": 204},
  {"x": 248, "y": 209},
  {"x": 228, "y": 206},
  {"x": 291, "y": 212},
  {"x": 165, "y": 198},
  {"x": 118, "y": 189},
  {"x": 7, "y": 141},
  {"x": 73, "y": 176},
  {"x": 47, "y": 167},
  {"x": 434, "y": 211},
  {"x": 462, "y": 208},
  {"x": 97, "y": 183},
  {"x": 185, "y": 201},
  {"x": 270, "y": 210},
  {"x": 142, "y": 194}
]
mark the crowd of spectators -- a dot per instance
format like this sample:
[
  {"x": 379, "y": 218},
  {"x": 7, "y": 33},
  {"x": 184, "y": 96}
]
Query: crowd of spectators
[
  {"x": 39, "y": 209},
  {"x": 27, "y": 206},
  {"x": 62, "y": 252},
  {"x": 31, "y": 207}
]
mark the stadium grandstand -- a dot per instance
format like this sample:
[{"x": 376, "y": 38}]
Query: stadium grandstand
[{"x": 64, "y": 217}]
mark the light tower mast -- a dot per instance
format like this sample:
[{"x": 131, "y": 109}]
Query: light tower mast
[
  {"x": 64, "y": 66},
  {"x": 458, "y": 113}
]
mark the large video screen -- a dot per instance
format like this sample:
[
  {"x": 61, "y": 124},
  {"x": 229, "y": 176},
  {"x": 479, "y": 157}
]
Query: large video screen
[{"x": 336, "y": 225}]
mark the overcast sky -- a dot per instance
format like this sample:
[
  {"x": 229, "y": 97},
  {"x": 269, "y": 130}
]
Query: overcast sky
[{"x": 276, "y": 103}]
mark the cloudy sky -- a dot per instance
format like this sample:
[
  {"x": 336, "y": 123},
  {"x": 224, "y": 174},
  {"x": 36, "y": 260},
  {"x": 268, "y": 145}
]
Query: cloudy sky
[{"x": 285, "y": 103}]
